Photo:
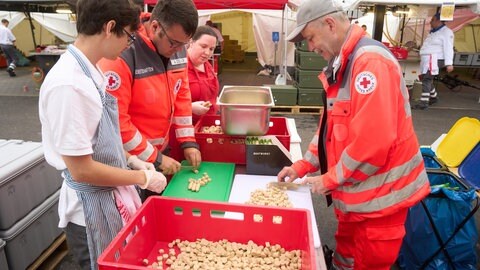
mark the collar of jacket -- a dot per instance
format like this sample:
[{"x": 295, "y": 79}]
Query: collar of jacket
[
  {"x": 433, "y": 30},
  {"x": 337, "y": 65}
]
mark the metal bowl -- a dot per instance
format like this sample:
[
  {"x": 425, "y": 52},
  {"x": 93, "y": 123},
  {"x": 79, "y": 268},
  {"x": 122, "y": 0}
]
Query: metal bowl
[{"x": 245, "y": 110}]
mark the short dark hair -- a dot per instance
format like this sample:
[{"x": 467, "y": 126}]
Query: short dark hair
[
  {"x": 203, "y": 30},
  {"x": 182, "y": 12},
  {"x": 5, "y": 21},
  {"x": 93, "y": 14}
]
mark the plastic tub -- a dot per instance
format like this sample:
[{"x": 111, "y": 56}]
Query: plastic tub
[
  {"x": 161, "y": 220},
  {"x": 29, "y": 237},
  {"x": 26, "y": 180},
  {"x": 459, "y": 141},
  {"x": 228, "y": 148},
  {"x": 469, "y": 170}
]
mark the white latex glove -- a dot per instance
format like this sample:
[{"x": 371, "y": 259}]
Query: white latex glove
[
  {"x": 200, "y": 107},
  {"x": 155, "y": 182},
  {"x": 137, "y": 164}
]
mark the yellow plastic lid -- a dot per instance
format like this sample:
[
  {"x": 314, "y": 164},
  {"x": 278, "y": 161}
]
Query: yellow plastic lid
[{"x": 459, "y": 141}]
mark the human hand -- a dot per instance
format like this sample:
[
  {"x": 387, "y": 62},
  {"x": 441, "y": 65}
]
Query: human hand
[
  {"x": 193, "y": 156},
  {"x": 316, "y": 184},
  {"x": 287, "y": 174},
  {"x": 137, "y": 164},
  {"x": 169, "y": 165},
  {"x": 200, "y": 107},
  {"x": 449, "y": 69},
  {"x": 155, "y": 181}
]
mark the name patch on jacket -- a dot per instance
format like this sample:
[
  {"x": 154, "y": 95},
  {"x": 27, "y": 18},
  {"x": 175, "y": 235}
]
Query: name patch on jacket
[
  {"x": 113, "y": 80},
  {"x": 178, "y": 61},
  {"x": 365, "y": 82}
]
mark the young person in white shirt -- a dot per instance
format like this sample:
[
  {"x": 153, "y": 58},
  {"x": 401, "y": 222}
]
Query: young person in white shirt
[
  {"x": 81, "y": 136},
  {"x": 7, "y": 44}
]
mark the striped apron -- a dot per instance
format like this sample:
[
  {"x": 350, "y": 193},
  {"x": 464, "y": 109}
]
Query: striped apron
[{"x": 102, "y": 218}]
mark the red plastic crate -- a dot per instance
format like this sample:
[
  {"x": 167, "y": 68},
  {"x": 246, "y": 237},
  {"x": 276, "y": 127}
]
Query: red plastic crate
[
  {"x": 161, "y": 220},
  {"x": 228, "y": 148}
]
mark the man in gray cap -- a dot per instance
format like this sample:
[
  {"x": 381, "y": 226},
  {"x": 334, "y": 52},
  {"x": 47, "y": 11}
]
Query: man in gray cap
[{"x": 365, "y": 147}]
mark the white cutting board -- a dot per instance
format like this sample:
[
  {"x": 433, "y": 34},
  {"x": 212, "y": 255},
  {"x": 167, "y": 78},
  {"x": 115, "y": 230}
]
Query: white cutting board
[{"x": 244, "y": 184}]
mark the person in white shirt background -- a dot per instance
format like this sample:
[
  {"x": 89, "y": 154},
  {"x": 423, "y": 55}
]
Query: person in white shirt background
[
  {"x": 7, "y": 44},
  {"x": 435, "y": 53}
]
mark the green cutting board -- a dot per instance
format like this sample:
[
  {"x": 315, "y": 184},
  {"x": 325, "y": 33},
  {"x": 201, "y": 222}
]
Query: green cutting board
[{"x": 216, "y": 190}]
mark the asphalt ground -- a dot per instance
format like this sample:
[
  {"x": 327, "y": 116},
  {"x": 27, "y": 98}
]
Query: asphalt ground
[{"x": 19, "y": 120}]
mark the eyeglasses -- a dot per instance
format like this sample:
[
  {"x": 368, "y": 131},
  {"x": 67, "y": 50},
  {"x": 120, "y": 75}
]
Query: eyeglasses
[
  {"x": 173, "y": 43},
  {"x": 131, "y": 37}
]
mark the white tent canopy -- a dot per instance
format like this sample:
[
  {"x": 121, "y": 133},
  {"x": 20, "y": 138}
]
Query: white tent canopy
[
  {"x": 58, "y": 24},
  {"x": 264, "y": 23}
]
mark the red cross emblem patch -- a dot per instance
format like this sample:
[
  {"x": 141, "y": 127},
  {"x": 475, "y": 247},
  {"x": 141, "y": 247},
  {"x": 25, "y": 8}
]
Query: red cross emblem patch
[
  {"x": 365, "y": 82},
  {"x": 113, "y": 80}
]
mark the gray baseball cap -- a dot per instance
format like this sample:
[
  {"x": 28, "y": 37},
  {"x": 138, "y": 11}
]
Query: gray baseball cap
[{"x": 311, "y": 10}]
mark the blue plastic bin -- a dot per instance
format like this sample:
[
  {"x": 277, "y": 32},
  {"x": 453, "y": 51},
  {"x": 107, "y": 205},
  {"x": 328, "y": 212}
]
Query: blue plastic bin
[{"x": 469, "y": 170}]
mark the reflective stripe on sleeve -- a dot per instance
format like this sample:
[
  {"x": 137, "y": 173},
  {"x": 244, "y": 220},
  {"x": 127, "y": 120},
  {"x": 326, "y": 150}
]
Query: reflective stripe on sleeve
[
  {"x": 312, "y": 159},
  {"x": 387, "y": 177},
  {"x": 184, "y": 132},
  {"x": 134, "y": 142},
  {"x": 145, "y": 154},
  {"x": 182, "y": 120},
  {"x": 157, "y": 141}
]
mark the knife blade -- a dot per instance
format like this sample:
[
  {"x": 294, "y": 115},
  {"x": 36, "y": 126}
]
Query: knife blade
[{"x": 288, "y": 185}]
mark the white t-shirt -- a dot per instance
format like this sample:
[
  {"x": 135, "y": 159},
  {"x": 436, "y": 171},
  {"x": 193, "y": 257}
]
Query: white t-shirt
[
  {"x": 6, "y": 36},
  {"x": 70, "y": 109}
]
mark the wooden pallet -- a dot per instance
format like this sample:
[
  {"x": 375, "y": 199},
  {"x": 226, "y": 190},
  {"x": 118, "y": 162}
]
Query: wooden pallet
[
  {"x": 52, "y": 256},
  {"x": 227, "y": 60},
  {"x": 297, "y": 110}
]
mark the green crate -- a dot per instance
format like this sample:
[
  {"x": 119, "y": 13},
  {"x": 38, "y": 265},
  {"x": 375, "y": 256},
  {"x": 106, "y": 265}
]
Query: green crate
[
  {"x": 284, "y": 95},
  {"x": 302, "y": 45},
  {"x": 309, "y": 60},
  {"x": 307, "y": 78},
  {"x": 310, "y": 97}
]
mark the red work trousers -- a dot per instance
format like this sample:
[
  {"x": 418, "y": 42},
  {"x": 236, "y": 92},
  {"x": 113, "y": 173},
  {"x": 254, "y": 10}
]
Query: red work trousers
[{"x": 372, "y": 244}]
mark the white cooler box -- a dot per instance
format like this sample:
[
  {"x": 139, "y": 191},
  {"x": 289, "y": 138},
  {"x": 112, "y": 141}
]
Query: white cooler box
[
  {"x": 33, "y": 234},
  {"x": 26, "y": 180}
]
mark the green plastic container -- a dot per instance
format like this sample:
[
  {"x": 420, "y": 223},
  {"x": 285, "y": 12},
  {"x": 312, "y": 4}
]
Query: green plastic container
[
  {"x": 307, "y": 78},
  {"x": 310, "y": 97},
  {"x": 309, "y": 61},
  {"x": 302, "y": 46},
  {"x": 284, "y": 95}
]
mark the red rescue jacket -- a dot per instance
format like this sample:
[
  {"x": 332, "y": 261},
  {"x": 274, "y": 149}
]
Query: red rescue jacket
[
  {"x": 375, "y": 167},
  {"x": 151, "y": 97}
]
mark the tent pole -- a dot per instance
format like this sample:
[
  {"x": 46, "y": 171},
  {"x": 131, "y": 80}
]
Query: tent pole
[
  {"x": 283, "y": 75},
  {"x": 32, "y": 28},
  {"x": 474, "y": 39}
]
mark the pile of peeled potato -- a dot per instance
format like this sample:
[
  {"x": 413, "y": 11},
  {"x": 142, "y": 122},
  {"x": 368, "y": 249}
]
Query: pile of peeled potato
[
  {"x": 272, "y": 196},
  {"x": 196, "y": 184},
  {"x": 204, "y": 254}
]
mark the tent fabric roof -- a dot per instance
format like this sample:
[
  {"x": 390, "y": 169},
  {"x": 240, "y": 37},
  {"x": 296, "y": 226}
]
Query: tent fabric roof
[{"x": 234, "y": 4}]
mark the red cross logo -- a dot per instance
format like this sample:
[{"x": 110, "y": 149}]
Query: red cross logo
[
  {"x": 365, "y": 82},
  {"x": 111, "y": 81}
]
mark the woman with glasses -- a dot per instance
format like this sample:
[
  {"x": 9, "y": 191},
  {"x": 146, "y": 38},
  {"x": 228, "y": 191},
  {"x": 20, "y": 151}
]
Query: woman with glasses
[
  {"x": 81, "y": 136},
  {"x": 150, "y": 80}
]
